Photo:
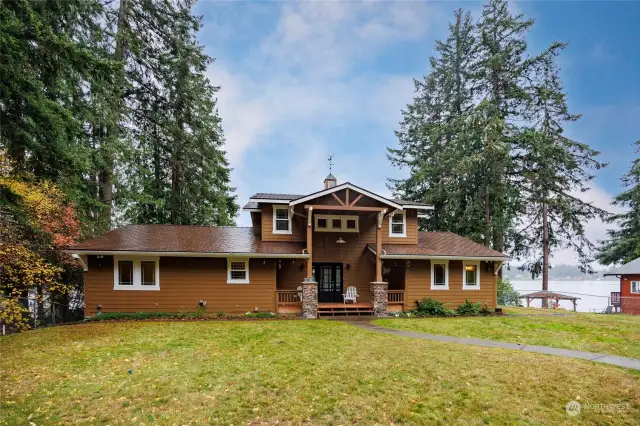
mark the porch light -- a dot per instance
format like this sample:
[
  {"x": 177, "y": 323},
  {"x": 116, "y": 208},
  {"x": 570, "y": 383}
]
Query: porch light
[
  {"x": 469, "y": 268},
  {"x": 340, "y": 241}
]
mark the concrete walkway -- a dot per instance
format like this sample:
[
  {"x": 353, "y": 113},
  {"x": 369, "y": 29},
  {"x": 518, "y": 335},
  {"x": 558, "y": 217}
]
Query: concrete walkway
[{"x": 619, "y": 361}]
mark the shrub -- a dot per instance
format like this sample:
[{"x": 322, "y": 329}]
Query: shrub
[
  {"x": 469, "y": 308},
  {"x": 432, "y": 307},
  {"x": 486, "y": 310},
  {"x": 259, "y": 315},
  {"x": 507, "y": 296}
]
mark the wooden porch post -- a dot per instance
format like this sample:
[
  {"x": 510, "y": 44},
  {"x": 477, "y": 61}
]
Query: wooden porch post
[
  {"x": 379, "y": 246},
  {"x": 310, "y": 242}
]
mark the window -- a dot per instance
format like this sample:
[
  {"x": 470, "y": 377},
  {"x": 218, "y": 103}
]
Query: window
[
  {"x": 148, "y": 270},
  {"x": 125, "y": 274},
  {"x": 471, "y": 276},
  {"x": 237, "y": 271},
  {"x": 336, "y": 223},
  {"x": 398, "y": 224},
  {"x": 281, "y": 220},
  {"x": 439, "y": 275},
  {"x": 635, "y": 286},
  {"x": 136, "y": 274}
]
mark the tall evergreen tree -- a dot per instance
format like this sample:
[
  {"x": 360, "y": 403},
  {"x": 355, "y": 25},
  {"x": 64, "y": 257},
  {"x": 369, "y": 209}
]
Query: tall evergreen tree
[
  {"x": 552, "y": 170},
  {"x": 623, "y": 244},
  {"x": 180, "y": 174},
  {"x": 430, "y": 128}
]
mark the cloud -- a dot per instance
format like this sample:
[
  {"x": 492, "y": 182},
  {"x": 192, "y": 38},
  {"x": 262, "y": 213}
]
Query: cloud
[{"x": 290, "y": 94}]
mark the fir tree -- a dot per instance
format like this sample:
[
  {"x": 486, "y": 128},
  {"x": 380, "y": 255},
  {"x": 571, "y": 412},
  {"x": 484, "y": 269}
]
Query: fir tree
[
  {"x": 624, "y": 242},
  {"x": 552, "y": 170}
]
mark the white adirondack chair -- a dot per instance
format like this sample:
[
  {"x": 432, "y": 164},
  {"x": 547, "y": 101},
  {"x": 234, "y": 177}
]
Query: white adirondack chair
[{"x": 351, "y": 294}]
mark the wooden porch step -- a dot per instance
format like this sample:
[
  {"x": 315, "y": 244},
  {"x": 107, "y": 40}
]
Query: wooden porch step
[{"x": 341, "y": 309}]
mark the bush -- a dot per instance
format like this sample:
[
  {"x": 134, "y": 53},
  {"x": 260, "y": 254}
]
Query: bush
[
  {"x": 469, "y": 308},
  {"x": 507, "y": 296},
  {"x": 486, "y": 310},
  {"x": 430, "y": 307}
]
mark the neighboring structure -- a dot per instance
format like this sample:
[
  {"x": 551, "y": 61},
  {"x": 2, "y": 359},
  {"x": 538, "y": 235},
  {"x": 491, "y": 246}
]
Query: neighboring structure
[
  {"x": 546, "y": 294},
  {"x": 300, "y": 255},
  {"x": 628, "y": 299}
]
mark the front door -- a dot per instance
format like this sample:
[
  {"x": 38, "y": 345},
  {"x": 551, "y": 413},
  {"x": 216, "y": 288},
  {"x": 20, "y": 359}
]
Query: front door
[{"x": 329, "y": 279}]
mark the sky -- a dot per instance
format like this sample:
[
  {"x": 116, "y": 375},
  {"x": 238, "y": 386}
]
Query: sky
[{"x": 302, "y": 80}]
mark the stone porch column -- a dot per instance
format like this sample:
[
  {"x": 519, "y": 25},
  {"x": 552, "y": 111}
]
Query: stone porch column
[
  {"x": 309, "y": 299},
  {"x": 380, "y": 302}
]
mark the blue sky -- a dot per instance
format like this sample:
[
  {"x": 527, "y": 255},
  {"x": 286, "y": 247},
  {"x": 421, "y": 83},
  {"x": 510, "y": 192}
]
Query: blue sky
[{"x": 300, "y": 81}]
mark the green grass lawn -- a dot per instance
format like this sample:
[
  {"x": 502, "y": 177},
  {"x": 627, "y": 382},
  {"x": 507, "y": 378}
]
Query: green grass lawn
[
  {"x": 313, "y": 372},
  {"x": 612, "y": 334}
]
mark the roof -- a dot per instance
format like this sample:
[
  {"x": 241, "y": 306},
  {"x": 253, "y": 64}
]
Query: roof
[
  {"x": 631, "y": 268},
  {"x": 272, "y": 196},
  {"x": 440, "y": 244},
  {"x": 330, "y": 177},
  {"x": 267, "y": 197},
  {"x": 186, "y": 239},
  {"x": 550, "y": 294}
]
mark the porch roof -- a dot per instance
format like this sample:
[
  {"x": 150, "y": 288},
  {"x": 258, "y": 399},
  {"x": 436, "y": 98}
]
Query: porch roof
[
  {"x": 192, "y": 240},
  {"x": 439, "y": 245}
]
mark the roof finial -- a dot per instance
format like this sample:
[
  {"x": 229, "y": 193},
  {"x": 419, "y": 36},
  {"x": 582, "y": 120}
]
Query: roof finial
[{"x": 330, "y": 162}]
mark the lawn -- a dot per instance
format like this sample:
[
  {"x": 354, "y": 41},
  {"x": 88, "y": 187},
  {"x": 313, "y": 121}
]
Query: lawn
[
  {"x": 313, "y": 372},
  {"x": 612, "y": 334}
]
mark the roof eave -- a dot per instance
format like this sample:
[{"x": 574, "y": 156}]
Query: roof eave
[{"x": 93, "y": 252}]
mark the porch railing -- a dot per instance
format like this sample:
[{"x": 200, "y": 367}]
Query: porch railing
[
  {"x": 288, "y": 297},
  {"x": 395, "y": 297}
]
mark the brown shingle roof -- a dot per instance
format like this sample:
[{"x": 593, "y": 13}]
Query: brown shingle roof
[
  {"x": 183, "y": 238},
  {"x": 271, "y": 196},
  {"x": 441, "y": 244}
]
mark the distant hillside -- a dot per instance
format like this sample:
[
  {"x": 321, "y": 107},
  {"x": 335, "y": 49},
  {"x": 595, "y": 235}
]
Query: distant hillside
[{"x": 557, "y": 272}]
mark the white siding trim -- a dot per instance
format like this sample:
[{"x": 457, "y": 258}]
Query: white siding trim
[{"x": 137, "y": 273}]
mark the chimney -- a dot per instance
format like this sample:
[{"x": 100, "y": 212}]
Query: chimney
[{"x": 330, "y": 181}]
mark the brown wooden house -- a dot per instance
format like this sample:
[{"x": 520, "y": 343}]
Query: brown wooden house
[{"x": 300, "y": 256}]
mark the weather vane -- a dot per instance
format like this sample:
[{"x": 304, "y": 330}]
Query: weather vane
[{"x": 331, "y": 162}]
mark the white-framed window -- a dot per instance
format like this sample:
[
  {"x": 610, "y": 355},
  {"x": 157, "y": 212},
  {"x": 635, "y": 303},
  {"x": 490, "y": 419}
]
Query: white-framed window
[
  {"x": 439, "y": 275},
  {"x": 281, "y": 220},
  {"x": 398, "y": 224},
  {"x": 237, "y": 271},
  {"x": 471, "y": 275},
  {"x": 635, "y": 287},
  {"x": 136, "y": 273}
]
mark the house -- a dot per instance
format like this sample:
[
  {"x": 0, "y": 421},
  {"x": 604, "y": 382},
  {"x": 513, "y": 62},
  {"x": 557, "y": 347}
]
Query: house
[
  {"x": 627, "y": 300},
  {"x": 300, "y": 256}
]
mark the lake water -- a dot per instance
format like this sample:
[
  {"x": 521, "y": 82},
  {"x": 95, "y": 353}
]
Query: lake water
[{"x": 594, "y": 295}]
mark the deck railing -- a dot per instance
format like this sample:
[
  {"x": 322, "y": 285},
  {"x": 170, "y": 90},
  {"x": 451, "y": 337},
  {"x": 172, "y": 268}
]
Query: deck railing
[
  {"x": 288, "y": 297},
  {"x": 395, "y": 297}
]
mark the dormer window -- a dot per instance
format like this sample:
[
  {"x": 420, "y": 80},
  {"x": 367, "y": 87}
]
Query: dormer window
[
  {"x": 281, "y": 220},
  {"x": 398, "y": 224}
]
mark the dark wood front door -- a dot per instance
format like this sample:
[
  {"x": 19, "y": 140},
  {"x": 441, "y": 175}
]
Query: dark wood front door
[{"x": 329, "y": 279}]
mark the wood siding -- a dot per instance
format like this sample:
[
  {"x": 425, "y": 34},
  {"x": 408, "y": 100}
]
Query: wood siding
[
  {"x": 629, "y": 302},
  {"x": 418, "y": 285},
  {"x": 298, "y": 226},
  {"x": 183, "y": 282}
]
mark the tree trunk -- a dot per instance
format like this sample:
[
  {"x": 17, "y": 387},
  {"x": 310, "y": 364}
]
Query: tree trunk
[
  {"x": 545, "y": 251},
  {"x": 105, "y": 175}
]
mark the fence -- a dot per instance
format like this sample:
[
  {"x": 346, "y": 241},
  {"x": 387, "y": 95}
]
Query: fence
[{"x": 45, "y": 312}]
